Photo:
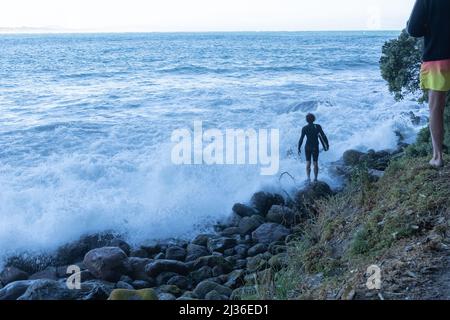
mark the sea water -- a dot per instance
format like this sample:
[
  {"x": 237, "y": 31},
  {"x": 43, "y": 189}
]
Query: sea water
[{"x": 86, "y": 122}]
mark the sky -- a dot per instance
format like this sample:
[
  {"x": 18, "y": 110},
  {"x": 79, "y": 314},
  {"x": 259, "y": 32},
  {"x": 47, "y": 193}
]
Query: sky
[{"x": 205, "y": 15}]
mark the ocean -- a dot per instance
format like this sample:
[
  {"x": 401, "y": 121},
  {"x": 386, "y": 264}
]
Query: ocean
[{"x": 86, "y": 122}]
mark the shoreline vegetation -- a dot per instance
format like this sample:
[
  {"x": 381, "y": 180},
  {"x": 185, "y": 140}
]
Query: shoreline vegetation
[{"x": 318, "y": 244}]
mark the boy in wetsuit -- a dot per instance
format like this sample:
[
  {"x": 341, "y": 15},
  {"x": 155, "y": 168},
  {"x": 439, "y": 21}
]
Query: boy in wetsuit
[{"x": 313, "y": 133}]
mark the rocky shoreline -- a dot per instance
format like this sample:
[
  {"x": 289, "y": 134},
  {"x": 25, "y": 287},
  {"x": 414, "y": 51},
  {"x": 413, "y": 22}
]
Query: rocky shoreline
[{"x": 223, "y": 265}]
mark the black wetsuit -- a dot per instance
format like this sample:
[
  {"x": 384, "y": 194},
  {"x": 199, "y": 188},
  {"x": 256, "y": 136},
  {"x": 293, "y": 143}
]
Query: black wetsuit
[{"x": 313, "y": 133}]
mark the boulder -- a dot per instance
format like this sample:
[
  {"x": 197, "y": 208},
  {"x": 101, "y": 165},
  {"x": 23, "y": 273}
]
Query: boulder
[
  {"x": 243, "y": 210},
  {"x": 157, "y": 267},
  {"x": 212, "y": 261},
  {"x": 179, "y": 281},
  {"x": 202, "y": 239},
  {"x": 306, "y": 198},
  {"x": 235, "y": 279},
  {"x": 257, "y": 249},
  {"x": 282, "y": 215},
  {"x": 108, "y": 263},
  {"x": 352, "y": 157},
  {"x": 163, "y": 296},
  {"x": 229, "y": 232},
  {"x": 128, "y": 295},
  {"x": 249, "y": 224},
  {"x": 124, "y": 285},
  {"x": 241, "y": 250},
  {"x": 172, "y": 289},
  {"x": 244, "y": 293},
  {"x": 270, "y": 232},
  {"x": 15, "y": 289},
  {"x": 12, "y": 274},
  {"x": 215, "y": 296},
  {"x": 256, "y": 263},
  {"x": 195, "y": 251},
  {"x": 49, "y": 273},
  {"x": 220, "y": 244},
  {"x": 201, "y": 274},
  {"x": 263, "y": 201},
  {"x": 205, "y": 287},
  {"x": 164, "y": 277},
  {"x": 175, "y": 253},
  {"x": 54, "y": 290},
  {"x": 119, "y": 243},
  {"x": 142, "y": 284},
  {"x": 137, "y": 266}
]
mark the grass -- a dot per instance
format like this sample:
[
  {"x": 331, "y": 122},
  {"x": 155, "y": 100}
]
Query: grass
[{"x": 360, "y": 225}]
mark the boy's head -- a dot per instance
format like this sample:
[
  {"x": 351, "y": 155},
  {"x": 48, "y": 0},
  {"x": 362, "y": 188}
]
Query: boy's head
[{"x": 310, "y": 118}]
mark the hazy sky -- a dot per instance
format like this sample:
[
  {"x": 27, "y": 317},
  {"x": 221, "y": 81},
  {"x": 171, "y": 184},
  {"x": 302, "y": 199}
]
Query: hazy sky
[{"x": 206, "y": 15}]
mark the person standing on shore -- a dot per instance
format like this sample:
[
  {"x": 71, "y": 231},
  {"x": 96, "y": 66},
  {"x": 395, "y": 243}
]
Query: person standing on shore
[
  {"x": 313, "y": 133},
  {"x": 431, "y": 19}
]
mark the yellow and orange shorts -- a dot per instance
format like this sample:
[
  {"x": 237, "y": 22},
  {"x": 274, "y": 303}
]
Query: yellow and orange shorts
[{"x": 435, "y": 75}]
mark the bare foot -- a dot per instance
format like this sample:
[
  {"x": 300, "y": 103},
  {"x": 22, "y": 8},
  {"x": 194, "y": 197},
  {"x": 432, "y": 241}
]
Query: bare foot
[{"x": 437, "y": 163}]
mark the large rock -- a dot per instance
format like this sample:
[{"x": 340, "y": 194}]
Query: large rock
[
  {"x": 221, "y": 244},
  {"x": 49, "y": 273},
  {"x": 248, "y": 224},
  {"x": 205, "y": 287},
  {"x": 270, "y": 232},
  {"x": 128, "y": 295},
  {"x": 213, "y": 261},
  {"x": 14, "y": 290},
  {"x": 202, "y": 239},
  {"x": 137, "y": 266},
  {"x": 263, "y": 201},
  {"x": 257, "y": 249},
  {"x": 54, "y": 290},
  {"x": 195, "y": 251},
  {"x": 175, "y": 253},
  {"x": 12, "y": 274},
  {"x": 201, "y": 274},
  {"x": 75, "y": 251},
  {"x": 243, "y": 210},
  {"x": 154, "y": 268},
  {"x": 235, "y": 279},
  {"x": 306, "y": 198},
  {"x": 352, "y": 157},
  {"x": 377, "y": 160},
  {"x": 179, "y": 281},
  {"x": 108, "y": 263},
  {"x": 282, "y": 215}
]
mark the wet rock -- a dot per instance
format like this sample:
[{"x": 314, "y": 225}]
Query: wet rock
[
  {"x": 163, "y": 296},
  {"x": 108, "y": 263},
  {"x": 119, "y": 243},
  {"x": 196, "y": 251},
  {"x": 241, "y": 250},
  {"x": 152, "y": 250},
  {"x": 138, "y": 253},
  {"x": 256, "y": 263},
  {"x": 160, "y": 256},
  {"x": 49, "y": 273},
  {"x": 179, "y": 281},
  {"x": 263, "y": 201},
  {"x": 244, "y": 293},
  {"x": 352, "y": 157},
  {"x": 128, "y": 295},
  {"x": 257, "y": 249},
  {"x": 201, "y": 274},
  {"x": 249, "y": 224},
  {"x": 126, "y": 279},
  {"x": 75, "y": 251},
  {"x": 243, "y": 210},
  {"x": 306, "y": 198},
  {"x": 228, "y": 252},
  {"x": 212, "y": 261},
  {"x": 171, "y": 289},
  {"x": 229, "y": 232},
  {"x": 164, "y": 277},
  {"x": 241, "y": 264},
  {"x": 153, "y": 269},
  {"x": 12, "y": 274},
  {"x": 15, "y": 289},
  {"x": 215, "y": 296},
  {"x": 221, "y": 244},
  {"x": 235, "y": 279},
  {"x": 141, "y": 284},
  {"x": 202, "y": 239},
  {"x": 270, "y": 232},
  {"x": 54, "y": 290},
  {"x": 282, "y": 215},
  {"x": 218, "y": 271},
  {"x": 176, "y": 253},
  {"x": 207, "y": 286},
  {"x": 137, "y": 266},
  {"x": 124, "y": 285}
]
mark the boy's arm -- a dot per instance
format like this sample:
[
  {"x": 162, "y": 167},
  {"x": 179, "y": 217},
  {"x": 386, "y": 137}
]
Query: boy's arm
[
  {"x": 300, "y": 143},
  {"x": 417, "y": 24}
]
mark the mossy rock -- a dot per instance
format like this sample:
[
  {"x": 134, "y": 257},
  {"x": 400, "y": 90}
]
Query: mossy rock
[{"x": 127, "y": 295}]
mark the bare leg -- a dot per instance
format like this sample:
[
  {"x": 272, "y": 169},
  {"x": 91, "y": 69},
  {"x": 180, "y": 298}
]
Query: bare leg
[
  {"x": 437, "y": 105},
  {"x": 308, "y": 170},
  {"x": 316, "y": 170}
]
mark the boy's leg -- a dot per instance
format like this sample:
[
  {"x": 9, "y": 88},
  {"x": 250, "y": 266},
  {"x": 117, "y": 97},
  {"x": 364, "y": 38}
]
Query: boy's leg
[
  {"x": 308, "y": 169},
  {"x": 316, "y": 170},
  {"x": 437, "y": 105}
]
